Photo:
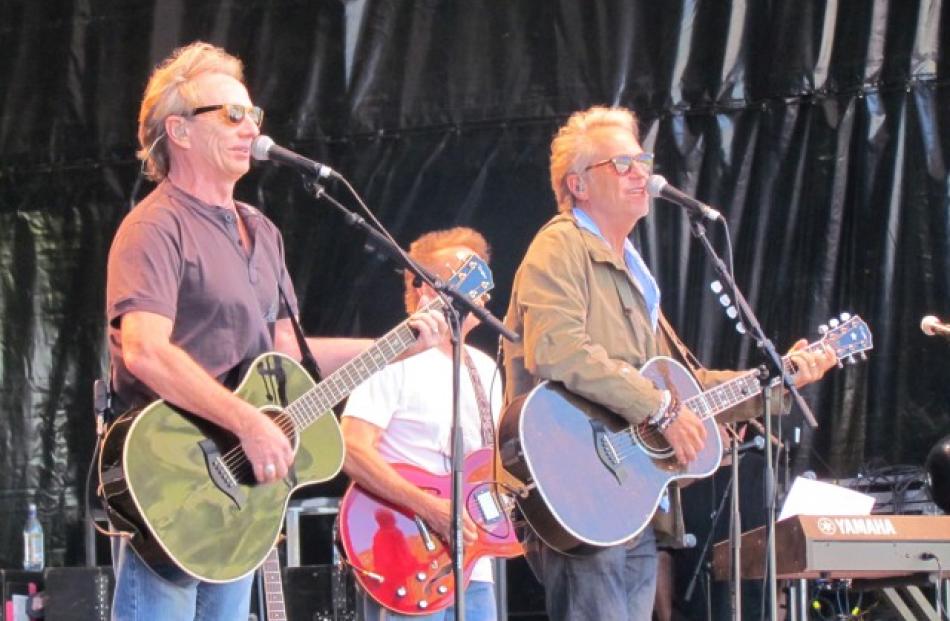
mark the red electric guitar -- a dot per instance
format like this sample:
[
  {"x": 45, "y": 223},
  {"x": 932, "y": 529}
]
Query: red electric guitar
[{"x": 404, "y": 565}]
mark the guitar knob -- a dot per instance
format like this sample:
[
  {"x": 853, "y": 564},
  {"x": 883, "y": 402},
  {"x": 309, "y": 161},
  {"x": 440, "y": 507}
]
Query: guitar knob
[
  {"x": 423, "y": 604},
  {"x": 822, "y": 329},
  {"x": 833, "y": 323},
  {"x": 845, "y": 316},
  {"x": 443, "y": 589},
  {"x": 421, "y": 576},
  {"x": 401, "y": 592}
]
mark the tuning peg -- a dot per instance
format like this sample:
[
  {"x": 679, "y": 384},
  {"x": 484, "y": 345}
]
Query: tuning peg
[
  {"x": 731, "y": 312},
  {"x": 724, "y": 300},
  {"x": 822, "y": 329},
  {"x": 845, "y": 317},
  {"x": 716, "y": 287},
  {"x": 833, "y": 323},
  {"x": 740, "y": 328}
]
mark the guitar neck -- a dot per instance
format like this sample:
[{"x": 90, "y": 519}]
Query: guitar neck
[
  {"x": 273, "y": 587},
  {"x": 728, "y": 394},
  {"x": 322, "y": 397}
]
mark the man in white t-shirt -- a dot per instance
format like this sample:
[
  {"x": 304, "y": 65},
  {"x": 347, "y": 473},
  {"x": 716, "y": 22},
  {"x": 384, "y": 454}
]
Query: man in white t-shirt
[{"x": 403, "y": 414}]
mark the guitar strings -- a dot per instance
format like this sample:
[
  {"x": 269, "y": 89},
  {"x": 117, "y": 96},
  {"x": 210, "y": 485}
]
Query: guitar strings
[
  {"x": 236, "y": 458},
  {"x": 626, "y": 442}
]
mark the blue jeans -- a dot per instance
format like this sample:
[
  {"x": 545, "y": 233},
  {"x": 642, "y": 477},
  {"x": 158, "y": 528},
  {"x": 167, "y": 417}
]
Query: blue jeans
[
  {"x": 140, "y": 595},
  {"x": 614, "y": 584},
  {"x": 479, "y": 606}
]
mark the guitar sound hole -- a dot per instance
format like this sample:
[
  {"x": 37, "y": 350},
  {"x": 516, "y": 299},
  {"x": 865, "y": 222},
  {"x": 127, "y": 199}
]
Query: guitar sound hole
[
  {"x": 282, "y": 419},
  {"x": 652, "y": 442}
]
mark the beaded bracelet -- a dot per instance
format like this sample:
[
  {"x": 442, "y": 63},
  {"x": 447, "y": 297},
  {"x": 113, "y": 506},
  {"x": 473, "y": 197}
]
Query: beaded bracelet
[
  {"x": 666, "y": 398},
  {"x": 669, "y": 416}
]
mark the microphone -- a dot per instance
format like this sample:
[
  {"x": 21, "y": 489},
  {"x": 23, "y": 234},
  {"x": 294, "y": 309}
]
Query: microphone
[
  {"x": 264, "y": 148},
  {"x": 931, "y": 326},
  {"x": 658, "y": 187},
  {"x": 755, "y": 444}
]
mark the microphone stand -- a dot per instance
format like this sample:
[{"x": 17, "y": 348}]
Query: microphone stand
[
  {"x": 736, "y": 451},
  {"x": 774, "y": 361},
  {"x": 453, "y": 316}
]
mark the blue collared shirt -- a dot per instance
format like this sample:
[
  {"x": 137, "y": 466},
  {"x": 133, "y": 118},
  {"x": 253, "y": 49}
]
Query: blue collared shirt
[{"x": 635, "y": 265}]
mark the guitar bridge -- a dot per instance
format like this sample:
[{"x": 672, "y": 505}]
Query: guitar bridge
[
  {"x": 220, "y": 475},
  {"x": 606, "y": 452}
]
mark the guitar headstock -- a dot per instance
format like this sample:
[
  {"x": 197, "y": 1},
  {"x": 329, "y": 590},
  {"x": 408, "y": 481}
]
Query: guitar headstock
[
  {"x": 473, "y": 278},
  {"x": 848, "y": 336}
]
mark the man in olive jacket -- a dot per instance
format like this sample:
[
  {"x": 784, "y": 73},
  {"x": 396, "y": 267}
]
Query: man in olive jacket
[{"x": 589, "y": 313}]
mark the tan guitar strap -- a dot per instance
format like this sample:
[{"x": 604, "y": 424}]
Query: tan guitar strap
[
  {"x": 484, "y": 407},
  {"x": 678, "y": 348}
]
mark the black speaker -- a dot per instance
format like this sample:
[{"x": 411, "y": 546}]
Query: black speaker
[
  {"x": 525, "y": 593},
  {"x": 319, "y": 593},
  {"x": 79, "y": 593}
]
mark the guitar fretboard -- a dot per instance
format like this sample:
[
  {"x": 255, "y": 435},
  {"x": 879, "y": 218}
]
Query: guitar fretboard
[
  {"x": 715, "y": 400},
  {"x": 338, "y": 385},
  {"x": 273, "y": 587}
]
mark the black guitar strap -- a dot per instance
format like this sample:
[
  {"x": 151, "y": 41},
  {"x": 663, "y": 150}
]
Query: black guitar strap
[{"x": 306, "y": 356}]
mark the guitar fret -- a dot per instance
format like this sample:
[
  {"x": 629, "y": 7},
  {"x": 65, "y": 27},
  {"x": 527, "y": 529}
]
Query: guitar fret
[{"x": 321, "y": 398}]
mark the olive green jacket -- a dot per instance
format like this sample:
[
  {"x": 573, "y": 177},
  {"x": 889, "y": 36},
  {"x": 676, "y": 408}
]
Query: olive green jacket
[{"x": 584, "y": 323}]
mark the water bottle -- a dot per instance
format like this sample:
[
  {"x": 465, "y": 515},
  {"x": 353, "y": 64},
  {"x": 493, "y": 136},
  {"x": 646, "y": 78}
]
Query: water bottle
[{"x": 33, "y": 558}]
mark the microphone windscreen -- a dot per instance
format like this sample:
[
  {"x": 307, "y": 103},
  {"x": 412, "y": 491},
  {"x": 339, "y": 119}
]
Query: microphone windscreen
[
  {"x": 655, "y": 185},
  {"x": 929, "y": 324},
  {"x": 261, "y": 146}
]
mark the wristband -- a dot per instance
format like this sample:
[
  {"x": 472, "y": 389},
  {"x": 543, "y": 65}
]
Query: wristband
[
  {"x": 666, "y": 399},
  {"x": 672, "y": 413}
]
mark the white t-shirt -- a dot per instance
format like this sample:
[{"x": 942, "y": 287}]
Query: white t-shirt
[{"x": 411, "y": 401}]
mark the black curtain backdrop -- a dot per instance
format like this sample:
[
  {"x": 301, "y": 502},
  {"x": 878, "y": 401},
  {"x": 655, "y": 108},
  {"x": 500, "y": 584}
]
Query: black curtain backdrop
[{"x": 816, "y": 127}]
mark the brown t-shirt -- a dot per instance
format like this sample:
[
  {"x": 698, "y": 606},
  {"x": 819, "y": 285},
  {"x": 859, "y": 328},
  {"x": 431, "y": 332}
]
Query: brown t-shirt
[{"x": 179, "y": 257}]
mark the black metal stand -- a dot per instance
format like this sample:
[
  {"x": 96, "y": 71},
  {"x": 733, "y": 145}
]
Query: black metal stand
[
  {"x": 736, "y": 451},
  {"x": 777, "y": 367},
  {"x": 453, "y": 317}
]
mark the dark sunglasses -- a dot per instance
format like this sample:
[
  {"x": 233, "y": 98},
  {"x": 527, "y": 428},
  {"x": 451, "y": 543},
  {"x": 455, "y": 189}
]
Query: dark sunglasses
[
  {"x": 623, "y": 164},
  {"x": 234, "y": 113}
]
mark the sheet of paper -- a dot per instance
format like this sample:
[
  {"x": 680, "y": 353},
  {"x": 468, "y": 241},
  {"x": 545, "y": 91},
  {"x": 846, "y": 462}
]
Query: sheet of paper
[
  {"x": 19, "y": 608},
  {"x": 811, "y": 497}
]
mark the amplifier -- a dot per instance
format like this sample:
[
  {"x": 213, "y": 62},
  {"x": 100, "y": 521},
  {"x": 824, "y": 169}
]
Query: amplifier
[
  {"x": 319, "y": 593},
  {"x": 79, "y": 593},
  {"x": 896, "y": 491}
]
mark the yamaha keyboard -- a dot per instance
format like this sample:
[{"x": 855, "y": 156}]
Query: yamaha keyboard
[{"x": 863, "y": 547}]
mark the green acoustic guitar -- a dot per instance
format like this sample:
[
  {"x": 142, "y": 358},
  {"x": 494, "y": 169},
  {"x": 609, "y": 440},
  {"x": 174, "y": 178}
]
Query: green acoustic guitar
[{"x": 183, "y": 488}]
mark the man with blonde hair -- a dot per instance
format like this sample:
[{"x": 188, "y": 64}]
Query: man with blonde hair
[
  {"x": 194, "y": 295},
  {"x": 588, "y": 310},
  {"x": 403, "y": 414}
]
